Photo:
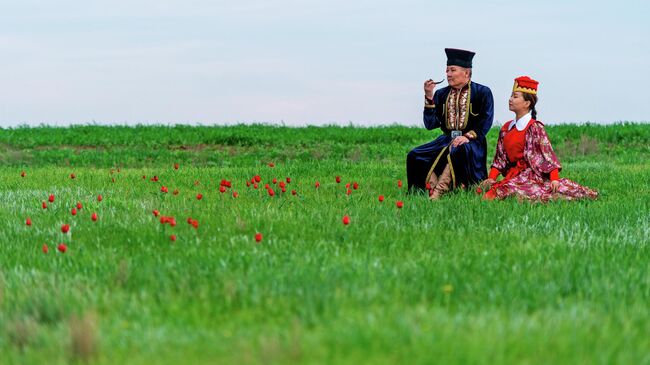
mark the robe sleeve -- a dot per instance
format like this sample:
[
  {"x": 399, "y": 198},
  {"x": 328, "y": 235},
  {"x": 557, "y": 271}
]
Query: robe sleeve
[
  {"x": 494, "y": 173},
  {"x": 500, "y": 160},
  {"x": 430, "y": 115},
  {"x": 538, "y": 151},
  {"x": 487, "y": 113}
]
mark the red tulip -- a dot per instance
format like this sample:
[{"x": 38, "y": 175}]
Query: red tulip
[
  {"x": 44, "y": 205},
  {"x": 22, "y": 174},
  {"x": 144, "y": 177},
  {"x": 346, "y": 220},
  {"x": 282, "y": 184},
  {"x": 62, "y": 248},
  {"x": 381, "y": 198},
  {"x": 271, "y": 192},
  {"x": 222, "y": 189},
  {"x": 271, "y": 164},
  {"x": 94, "y": 217},
  {"x": 164, "y": 189},
  {"x": 195, "y": 224},
  {"x": 156, "y": 212},
  {"x": 399, "y": 183},
  {"x": 347, "y": 186},
  {"x": 100, "y": 198},
  {"x": 288, "y": 180},
  {"x": 258, "y": 237},
  {"x": 338, "y": 179},
  {"x": 317, "y": 184},
  {"x": 275, "y": 181},
  {"x": 51, "y": 198},
  {"x": 73, "y": 176},
  {"x": 199, "y": 196},
  {"x": 176, "y": 166},
  {"x": 254, "y": 186},
  {"x": 235, "y": 194},
  {"x": 73, "y": 211},
  {"x": 172, "y": 237},
  {"x": 79, "y": 206},
  {"x": 45, "y": 249},
  {"x": 248, "y": 183},
  {"x": 170, "y": 220},
  {"x": 293, "y": 192},
  {"x": 355, "y": 186},
  {"x": 348, "y": 192},
  {"x": 267, "y": 186},
  {"x": 400, "y": 204},
  {"x": 258, "y": 178},
  {"x": 65, "y": 228},
  {"x": 28, "y": 221}
]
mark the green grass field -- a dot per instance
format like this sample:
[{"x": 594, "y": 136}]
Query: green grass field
[{"x": 458, "y": 281}]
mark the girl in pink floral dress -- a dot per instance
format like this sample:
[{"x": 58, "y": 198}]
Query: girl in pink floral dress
[{"x": 525, "y": 158}]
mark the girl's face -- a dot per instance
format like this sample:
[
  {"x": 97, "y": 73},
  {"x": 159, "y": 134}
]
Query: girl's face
[{"x": 517, "y": 103}]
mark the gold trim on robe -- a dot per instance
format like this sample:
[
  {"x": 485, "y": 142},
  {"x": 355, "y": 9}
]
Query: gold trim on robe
[
  {"x": 456, "y": 111},
  {"x": 457, "y": 107},
  {"x": 434, "y": 164}
]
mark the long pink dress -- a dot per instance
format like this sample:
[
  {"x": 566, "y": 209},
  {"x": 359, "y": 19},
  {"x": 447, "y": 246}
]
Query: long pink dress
[{"x": 528, "y": 177}]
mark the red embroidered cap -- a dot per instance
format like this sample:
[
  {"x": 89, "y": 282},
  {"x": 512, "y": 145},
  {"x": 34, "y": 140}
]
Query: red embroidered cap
[{"x": 525, "y": 84}]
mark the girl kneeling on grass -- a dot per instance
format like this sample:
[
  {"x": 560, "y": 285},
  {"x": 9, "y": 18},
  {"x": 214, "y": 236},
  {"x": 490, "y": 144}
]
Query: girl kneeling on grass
[{"x": 525, "y": 158}]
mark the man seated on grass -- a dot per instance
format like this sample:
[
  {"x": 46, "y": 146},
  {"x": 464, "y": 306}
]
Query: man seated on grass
[{"x": 463, "y": 110}]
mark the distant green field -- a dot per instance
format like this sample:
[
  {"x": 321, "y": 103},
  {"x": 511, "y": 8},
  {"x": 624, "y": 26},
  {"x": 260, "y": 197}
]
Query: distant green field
[{"x": 458, "y": 281}]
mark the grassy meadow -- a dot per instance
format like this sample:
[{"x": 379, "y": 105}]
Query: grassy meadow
[{"x": 457, "y": 281}]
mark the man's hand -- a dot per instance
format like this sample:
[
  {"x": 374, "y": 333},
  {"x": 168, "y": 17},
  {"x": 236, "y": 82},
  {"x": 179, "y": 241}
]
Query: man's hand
[
  {"x": 458, "y": 141},
  {"x": 555, "y": 184},
  {"x": 429, "y": 86}
]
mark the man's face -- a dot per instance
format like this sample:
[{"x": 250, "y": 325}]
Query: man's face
[{"x": 457, "y": 76}]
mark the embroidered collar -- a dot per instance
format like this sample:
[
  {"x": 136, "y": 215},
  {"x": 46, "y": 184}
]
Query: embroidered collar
[{"x": 521, "y": 123}]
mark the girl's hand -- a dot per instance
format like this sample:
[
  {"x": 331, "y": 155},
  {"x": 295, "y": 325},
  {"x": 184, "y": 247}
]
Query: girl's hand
[
  {"x": 555, "y": 184},
  {"x": 486, "y": 184}
]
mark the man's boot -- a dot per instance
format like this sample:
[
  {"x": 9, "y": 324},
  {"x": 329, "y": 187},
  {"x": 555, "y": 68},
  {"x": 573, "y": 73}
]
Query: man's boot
[{"x": 443, "y": 184}]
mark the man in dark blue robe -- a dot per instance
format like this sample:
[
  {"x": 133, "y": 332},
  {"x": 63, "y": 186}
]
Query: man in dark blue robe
[{"x": 463, "y": 110}]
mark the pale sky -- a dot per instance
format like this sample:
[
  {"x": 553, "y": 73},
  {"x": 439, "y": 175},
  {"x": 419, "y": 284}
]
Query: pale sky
[{"x": 312, "y": 62}]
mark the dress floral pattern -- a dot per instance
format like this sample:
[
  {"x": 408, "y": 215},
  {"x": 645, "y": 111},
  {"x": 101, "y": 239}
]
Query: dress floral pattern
[{"x": 529, "y": 178}]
